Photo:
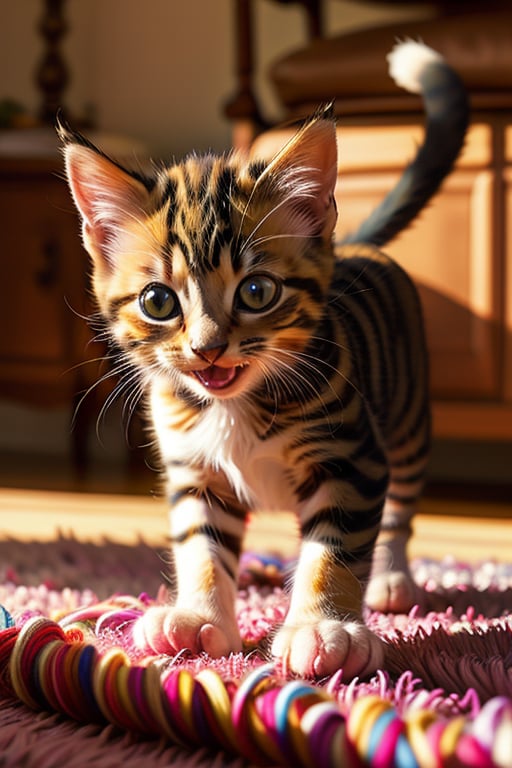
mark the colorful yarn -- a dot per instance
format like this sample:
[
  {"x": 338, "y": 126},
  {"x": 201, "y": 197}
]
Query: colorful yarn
[{"x": 264, "y": 718}]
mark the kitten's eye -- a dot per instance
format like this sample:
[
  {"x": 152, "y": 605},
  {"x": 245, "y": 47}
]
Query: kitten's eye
[
  {"x": 159, "y": 302},
  {"x": 257, "y": 293}
]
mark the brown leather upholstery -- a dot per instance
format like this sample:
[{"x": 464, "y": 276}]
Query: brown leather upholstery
[{"x": 352, "y": 67}]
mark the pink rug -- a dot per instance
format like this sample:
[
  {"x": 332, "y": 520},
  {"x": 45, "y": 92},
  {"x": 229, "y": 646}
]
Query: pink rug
[{"x": 75, "y": 692}]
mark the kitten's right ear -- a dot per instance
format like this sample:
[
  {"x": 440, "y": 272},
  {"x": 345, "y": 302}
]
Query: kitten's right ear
[
  {"x": 307, "y": 169},
  {"x": 107, "y": 196}
]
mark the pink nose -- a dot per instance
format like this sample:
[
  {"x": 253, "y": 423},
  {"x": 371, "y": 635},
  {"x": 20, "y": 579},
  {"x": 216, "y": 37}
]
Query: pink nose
[{"x": 210, "y": 353}]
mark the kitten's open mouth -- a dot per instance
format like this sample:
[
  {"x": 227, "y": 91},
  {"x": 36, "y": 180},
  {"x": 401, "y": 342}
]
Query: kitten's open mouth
[{"x": 216, "y": 377}]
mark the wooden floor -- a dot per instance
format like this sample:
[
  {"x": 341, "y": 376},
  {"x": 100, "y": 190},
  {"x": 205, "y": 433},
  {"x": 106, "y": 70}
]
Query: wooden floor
[
  {"x": 468, "y": 530},
  {"x": 40, "y": 497}
]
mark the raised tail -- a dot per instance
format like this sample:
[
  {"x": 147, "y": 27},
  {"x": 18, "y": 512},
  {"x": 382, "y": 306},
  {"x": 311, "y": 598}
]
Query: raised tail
[{"x": 419, "y": 69}]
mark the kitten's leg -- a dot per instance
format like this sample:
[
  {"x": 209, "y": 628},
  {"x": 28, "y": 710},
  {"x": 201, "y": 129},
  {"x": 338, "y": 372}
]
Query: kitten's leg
[
  {"x": 324, "y": 630},
  {"x": 206, "y": 541},
  {"x": 391, "y": 586}
]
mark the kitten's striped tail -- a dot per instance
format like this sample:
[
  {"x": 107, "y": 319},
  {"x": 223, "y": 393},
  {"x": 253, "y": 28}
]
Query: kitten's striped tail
[{"x": 419, "y": 69}]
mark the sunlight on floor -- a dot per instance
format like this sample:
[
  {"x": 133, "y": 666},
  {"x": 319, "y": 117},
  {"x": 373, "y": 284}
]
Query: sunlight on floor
[{"x": 467, "y": 530}]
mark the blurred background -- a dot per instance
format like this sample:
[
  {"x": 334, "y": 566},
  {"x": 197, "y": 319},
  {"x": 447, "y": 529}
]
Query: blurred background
[
  {"x": 162, "y": 71},
  {"x": 162, "y": 78}
]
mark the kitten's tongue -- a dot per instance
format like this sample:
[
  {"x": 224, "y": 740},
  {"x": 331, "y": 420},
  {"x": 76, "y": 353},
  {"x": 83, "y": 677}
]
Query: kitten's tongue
[{"x": 216, "y": 377}]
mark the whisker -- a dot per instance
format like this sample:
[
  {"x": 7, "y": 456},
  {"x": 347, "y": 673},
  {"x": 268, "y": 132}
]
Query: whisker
[
  {"x": 308, "y": 361},
  {"x": 291, "y": 370},
  {"x": 127, "y": 387},
  {"x": 269, "y": 238},
  {"x": 120, "y": 368},
  {"x": 76, "y": 313},
  {"x": 90, "y": 361},
  {"x": 250, "y": 239},
  {"x": 337, "y": 370}
]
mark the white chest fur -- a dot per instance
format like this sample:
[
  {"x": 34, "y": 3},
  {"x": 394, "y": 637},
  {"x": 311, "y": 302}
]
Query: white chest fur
[{"x": 224, "y": 439}]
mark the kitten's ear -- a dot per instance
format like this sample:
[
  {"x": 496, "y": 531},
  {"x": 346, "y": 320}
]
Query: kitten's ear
[
  {"x": 308, "y": 168},
  {"x": 107, "y": 196}
]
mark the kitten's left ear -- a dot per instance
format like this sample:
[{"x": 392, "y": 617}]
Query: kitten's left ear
[
  {"x": 308, "y": 167},
  {"x": 107, "y": 196}
]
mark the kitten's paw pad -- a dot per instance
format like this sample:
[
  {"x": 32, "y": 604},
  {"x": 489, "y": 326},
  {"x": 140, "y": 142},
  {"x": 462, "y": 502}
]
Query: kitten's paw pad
[
  {"x": 392, "y": 592},
  {"x": 322, "y": 648},
  {"x": 163, "y": 629}
]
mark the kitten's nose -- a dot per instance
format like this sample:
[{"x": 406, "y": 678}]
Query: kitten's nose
[{"x": 210, "y": 352}]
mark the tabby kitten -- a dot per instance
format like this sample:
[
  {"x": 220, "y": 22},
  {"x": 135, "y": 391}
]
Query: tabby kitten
[{"x": 280, "y": 372}]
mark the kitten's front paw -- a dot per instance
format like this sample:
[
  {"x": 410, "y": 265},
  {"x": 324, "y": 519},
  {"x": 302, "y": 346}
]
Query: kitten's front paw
[
  {"x": 321, "y": 648},
  {"x": 164, "y": 629}
]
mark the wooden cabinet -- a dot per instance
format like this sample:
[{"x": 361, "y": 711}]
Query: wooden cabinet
[
  {"x": 43, "y": 287},
  {"x": 459, "y": 252},
  {"x": 507, "y": 281},
  {"x": 448, "y": 250}
]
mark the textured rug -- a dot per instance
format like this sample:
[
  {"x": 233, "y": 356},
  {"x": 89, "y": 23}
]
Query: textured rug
[{"x": 74, "y": 691}]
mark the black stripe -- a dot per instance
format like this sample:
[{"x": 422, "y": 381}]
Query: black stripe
[
  {"x": 170, "y": 195},
  {"x": 230, "y": 572},
  {"x": 360, "y": 556},
  {"x": 356, "y": 522},
  {"x": 256, "y": 168},
  {"x": 116, "y": 304},
  {"x": 174, "y": 240},
  {"x": 417, "y": 477},
  {"x": 226, "y": 187},
  {"x": 308, "y": 285},
  {"x": 347, "y": 471},
  {"x": 365, "y": 294},
  {"x": 252, "y": 340},
  {"x": 421, "y": 418},
  {"x": 411, "y": 458},
  {"x": 227, "y": 540},
  {"x": 301, "y": 320}
]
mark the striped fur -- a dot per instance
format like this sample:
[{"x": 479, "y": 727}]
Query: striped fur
[{"x": 279, "y": 373}]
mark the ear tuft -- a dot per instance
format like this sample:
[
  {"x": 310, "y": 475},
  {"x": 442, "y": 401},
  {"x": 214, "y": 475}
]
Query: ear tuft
[{"x": 65, "y": 133}]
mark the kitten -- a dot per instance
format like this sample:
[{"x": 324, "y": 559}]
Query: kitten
[{"x": 280, "y": 372}]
